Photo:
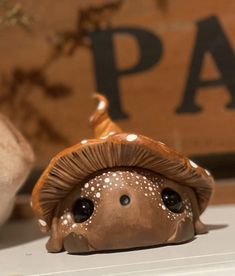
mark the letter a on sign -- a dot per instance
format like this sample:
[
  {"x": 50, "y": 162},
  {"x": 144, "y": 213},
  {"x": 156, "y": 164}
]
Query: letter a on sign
[{"x": 210, "y": 38}]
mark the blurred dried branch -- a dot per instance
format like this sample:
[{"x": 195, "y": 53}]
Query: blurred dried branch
[
  {"x": 162, "y": 5},
  {"x": 14, "y": 96},
  {"x": 14, "y": 15},
  {"x": 16, "y": 87},
  {"x": 90, "y": 19}
]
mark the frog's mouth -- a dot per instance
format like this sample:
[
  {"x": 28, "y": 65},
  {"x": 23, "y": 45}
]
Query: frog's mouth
[{"x": 77, "y": 243}]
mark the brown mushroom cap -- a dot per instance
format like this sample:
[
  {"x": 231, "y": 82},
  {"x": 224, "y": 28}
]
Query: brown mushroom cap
[{"x": 75, "y": 164}]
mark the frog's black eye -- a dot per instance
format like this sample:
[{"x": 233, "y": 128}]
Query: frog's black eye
[
  {"x": 125, "y": 200},
  {"x": 82, "y": 209},
  {"x": 172, "y": 200}
]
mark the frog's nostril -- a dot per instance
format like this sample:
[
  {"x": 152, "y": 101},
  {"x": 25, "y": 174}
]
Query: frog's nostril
[
  {"x": 76, "y": 243},
  {"x": 125, "y": 200}
]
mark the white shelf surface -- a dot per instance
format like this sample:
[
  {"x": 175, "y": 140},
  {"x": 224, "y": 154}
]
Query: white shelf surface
[{"x": 22, "y": 253}]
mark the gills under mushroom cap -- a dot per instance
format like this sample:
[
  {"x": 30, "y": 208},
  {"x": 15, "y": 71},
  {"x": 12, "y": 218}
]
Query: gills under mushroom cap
[
  {"x": 113, "y": 148},
  {"x": 75, "y": 164}
]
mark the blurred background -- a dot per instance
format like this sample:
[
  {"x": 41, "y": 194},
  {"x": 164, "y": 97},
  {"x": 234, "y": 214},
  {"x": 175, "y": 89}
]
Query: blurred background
[{"x": 166, "y": 66}]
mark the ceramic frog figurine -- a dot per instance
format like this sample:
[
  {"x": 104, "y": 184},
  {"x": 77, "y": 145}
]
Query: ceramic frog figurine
[{"x": 119, "y": 191}]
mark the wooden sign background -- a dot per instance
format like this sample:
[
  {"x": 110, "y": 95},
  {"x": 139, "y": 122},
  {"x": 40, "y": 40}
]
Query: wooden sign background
[{"x": 167, "y": 67}]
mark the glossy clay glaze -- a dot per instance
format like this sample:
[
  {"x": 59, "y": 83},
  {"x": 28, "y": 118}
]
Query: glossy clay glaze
[{"x": 119, "y": 191}]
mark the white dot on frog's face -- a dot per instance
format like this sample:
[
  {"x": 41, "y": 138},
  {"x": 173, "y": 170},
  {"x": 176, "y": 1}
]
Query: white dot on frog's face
[
  {"x": 97, "y": 195},
  {"x": 107, "y": 180}
]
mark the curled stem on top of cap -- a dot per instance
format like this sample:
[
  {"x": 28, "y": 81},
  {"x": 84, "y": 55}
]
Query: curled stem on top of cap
[{"x": 101, "y": 122}]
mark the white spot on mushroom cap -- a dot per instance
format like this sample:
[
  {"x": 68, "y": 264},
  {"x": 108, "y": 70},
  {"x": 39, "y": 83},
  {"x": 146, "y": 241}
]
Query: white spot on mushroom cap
[
  {"x": 107, "y": 180},
  {"x": 194, "y": 165},
  {"x": 131, "y": 137},
  {"x": 42, "y": 222},
  {"x": 101, "y": 105},
  {"x": 91, "y": 119},
  {"x": 97, "y": 195},
  {"x": 207, "y": 172},
  {"x": 86, "y": 185},
  {"x": 83, "y": 141},
  {"x": 161, "y": 143},
  {"x": 104, "y": 137}
]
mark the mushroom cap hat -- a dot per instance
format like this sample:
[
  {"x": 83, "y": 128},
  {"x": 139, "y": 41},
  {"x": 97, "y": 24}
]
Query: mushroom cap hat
[{"x": 113, "y": 148}]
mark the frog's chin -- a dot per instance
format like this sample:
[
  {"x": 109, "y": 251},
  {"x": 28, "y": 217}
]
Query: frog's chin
[{"x": 77, "y": 243}]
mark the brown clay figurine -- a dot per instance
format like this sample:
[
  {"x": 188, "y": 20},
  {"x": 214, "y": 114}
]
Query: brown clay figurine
[
  {"x": 120, "y": 191},
  {"x": 16, "y": 159}
]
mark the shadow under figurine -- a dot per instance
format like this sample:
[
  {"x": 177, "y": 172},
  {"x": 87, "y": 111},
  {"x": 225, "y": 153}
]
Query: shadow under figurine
[{"x": 119, "y": 191}]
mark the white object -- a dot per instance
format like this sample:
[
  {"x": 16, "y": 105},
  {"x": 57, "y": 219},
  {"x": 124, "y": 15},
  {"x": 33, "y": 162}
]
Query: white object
[
  {"x": 210, "y": 254},
  {"x": 16, "y": 158}
]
